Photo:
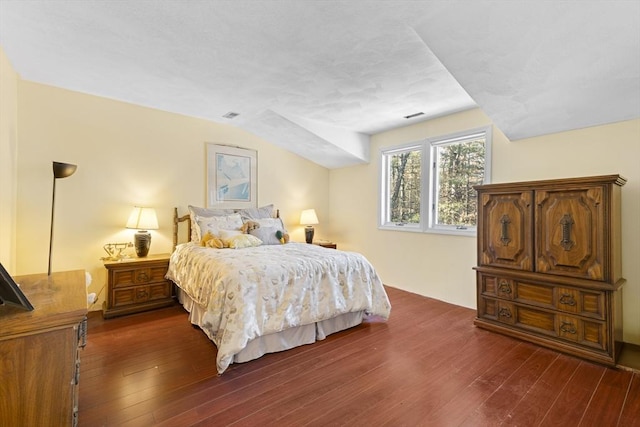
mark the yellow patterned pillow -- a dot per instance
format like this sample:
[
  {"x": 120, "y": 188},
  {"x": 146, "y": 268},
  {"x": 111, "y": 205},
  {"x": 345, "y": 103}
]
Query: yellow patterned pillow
[{"x": 243, "y": 241}]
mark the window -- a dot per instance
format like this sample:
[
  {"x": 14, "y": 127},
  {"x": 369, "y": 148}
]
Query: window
[{"x": 428, "y": 185}]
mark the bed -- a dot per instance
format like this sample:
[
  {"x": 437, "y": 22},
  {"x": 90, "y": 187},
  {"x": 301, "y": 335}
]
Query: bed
[{"x": 268, "y": 297}]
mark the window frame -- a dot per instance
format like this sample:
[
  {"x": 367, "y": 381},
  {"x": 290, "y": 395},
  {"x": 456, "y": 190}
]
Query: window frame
[
  {"x": 428, "y": 178},
  {"x": 384, "y": 184}
]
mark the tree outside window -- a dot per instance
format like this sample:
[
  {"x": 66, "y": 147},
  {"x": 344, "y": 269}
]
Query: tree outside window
[
  {"x": 405, "y": 187},
  {"x": 428, "y": 186}
]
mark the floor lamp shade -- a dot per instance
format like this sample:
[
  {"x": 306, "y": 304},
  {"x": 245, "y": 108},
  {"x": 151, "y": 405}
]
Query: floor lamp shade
[
  {"x": 308, "y": 217},
  {"x": 60, "y": 170},
  {"x": 142, "y": 219}
]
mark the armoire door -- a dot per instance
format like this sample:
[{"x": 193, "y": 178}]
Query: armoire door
[
  {"x": 571, "y": 232},
  {"x": 505, "y": 230}
]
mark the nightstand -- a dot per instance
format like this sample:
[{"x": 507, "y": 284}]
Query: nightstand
[
  {"x": 329, "y": 245},
  {"x": 137, "y": 284}
]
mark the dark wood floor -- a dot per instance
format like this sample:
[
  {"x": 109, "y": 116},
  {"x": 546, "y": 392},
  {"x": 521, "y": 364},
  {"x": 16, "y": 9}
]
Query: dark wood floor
[{"x": 428, "y": 365}]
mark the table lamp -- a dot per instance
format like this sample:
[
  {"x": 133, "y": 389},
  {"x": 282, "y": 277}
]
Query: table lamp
[
  {"x": 308, "y": 217},
  {"x": 142, "y": 219}
]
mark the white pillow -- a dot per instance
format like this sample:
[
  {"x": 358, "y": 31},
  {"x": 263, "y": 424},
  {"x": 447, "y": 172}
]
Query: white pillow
[
  {"x": 271, "y": 222},
  {"x": 267, "y": 235},
  {"x": 196, "y": 212},
  {"x": 216, "y": 224}
]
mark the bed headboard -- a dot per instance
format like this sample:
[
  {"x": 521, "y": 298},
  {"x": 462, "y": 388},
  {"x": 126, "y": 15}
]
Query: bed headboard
[
  {"x": 187, "y": 218},
  {"x": 176, "y": 221}
]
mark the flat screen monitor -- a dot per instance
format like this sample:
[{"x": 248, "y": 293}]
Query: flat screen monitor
[{"x": 10, "y": 292}]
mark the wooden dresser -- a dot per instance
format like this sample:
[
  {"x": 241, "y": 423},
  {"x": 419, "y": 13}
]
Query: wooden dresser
[
  {"x": 39, "y": 357},
  {"x": 137, "y": 284},
  {"x": 549, "y": 264}
]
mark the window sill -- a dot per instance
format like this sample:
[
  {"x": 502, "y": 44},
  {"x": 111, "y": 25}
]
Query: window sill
[{"x": 463, "y": 233}]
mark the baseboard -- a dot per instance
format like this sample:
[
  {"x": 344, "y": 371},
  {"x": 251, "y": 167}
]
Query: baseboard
[{"x": 629, "y": 358}]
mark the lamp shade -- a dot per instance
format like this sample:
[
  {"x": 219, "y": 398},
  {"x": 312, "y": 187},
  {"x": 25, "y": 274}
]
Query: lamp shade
[
  {"x": 63, "y": 170},
  {"x": 143, "y": 219},
  {"x": 308, "y": 217}
]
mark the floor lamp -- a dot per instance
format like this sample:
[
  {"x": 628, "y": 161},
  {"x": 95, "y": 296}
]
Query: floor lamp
[{"x": 60, "y": 170}]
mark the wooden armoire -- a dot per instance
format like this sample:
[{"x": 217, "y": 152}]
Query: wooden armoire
[{"x": 549, "y": 264}]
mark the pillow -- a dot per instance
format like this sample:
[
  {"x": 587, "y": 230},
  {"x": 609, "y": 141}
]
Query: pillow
[
  {"x": 196, "y": 212},
  {"x": 243, "y": 241},
  {"x": 227, "y": 235},
  {"x": 267, "y": 235},
  {"x": 271, "y": 222},
  {"x": 216, "y": 224},
  {"x": 252, "y": 214}
]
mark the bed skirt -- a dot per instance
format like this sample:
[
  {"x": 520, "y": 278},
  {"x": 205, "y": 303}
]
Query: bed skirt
[{"x": 284, "y": 340}]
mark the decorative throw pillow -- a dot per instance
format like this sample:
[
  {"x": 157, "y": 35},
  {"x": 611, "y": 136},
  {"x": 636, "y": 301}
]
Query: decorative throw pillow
[
  {"x": 227, "y": 235},
  {"x": 243, "y": 241},
  {"x": 271, "y": 222},
  {"x": 267, "y": 235}
]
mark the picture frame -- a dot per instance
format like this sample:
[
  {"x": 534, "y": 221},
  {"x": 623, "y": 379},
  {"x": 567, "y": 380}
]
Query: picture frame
[
  {"x": 231, "y": 177},
  {"x": 10, "y": 292}
]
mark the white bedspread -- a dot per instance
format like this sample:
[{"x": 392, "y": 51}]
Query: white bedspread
[{"x": 256, "y": 291}]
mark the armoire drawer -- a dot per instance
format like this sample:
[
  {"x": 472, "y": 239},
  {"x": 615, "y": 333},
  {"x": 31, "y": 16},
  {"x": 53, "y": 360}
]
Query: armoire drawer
[
  {"x": 586, "y": 332},
  {"x": 583, "y": 302}
]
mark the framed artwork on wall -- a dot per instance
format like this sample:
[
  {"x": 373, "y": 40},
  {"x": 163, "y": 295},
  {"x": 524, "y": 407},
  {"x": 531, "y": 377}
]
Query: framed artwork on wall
[{"x": 231, "y": 177}]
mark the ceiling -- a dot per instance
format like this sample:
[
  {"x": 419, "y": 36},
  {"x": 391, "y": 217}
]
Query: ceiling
[{"x": 319, "y": 77}]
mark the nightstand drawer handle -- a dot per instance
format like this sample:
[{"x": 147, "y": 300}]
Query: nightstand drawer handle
[
  {"x": 142, "y": 277},
  {"x": 568, "y": 327},
  {"x": 567, "y": 299},
  {"x": 505, "y": 287},
  {"x": 142, "y": 293}
]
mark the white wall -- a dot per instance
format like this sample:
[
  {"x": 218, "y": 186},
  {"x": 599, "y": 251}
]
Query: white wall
[
  {"x": 129, "y": 155},
  {"x": 440, "y": 266},
  {"x": 8, "y": 161}
]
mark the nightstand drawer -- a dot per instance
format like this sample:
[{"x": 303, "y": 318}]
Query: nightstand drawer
[
  {"x": 138, "y": 294},
  {"x": 137, "y": 284},
  {"x": 138, "y": 276}
]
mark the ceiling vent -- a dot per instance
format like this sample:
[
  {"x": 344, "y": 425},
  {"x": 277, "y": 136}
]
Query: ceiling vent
[
  {"x": 231, "y": 115},
  {"x": 411, "y": 116}
]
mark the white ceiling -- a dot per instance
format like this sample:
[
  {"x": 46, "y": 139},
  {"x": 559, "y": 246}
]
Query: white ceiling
[{"x": 319, "y": 77}]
